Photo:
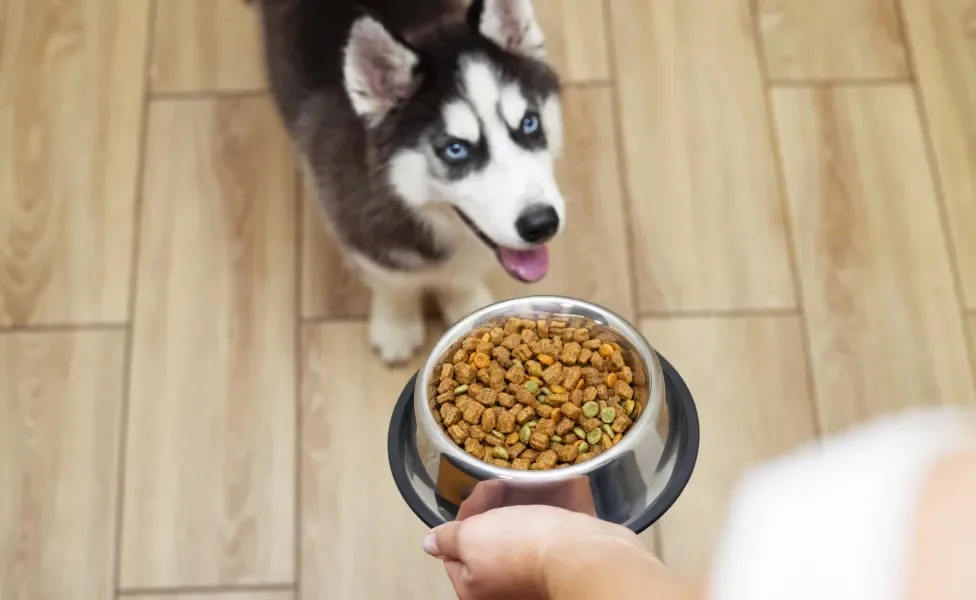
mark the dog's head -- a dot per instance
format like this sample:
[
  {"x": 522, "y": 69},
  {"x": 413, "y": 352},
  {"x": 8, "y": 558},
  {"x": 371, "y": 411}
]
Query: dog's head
[{"x": 467, "y": 114}]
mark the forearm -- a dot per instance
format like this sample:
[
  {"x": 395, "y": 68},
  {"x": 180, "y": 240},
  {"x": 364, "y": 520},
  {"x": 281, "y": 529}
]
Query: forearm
[{"x": 613, "y": 570}]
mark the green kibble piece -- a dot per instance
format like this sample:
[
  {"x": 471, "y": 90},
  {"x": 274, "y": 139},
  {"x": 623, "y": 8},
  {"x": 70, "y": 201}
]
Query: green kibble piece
[
  {"x": 584, "y": 448},
  {"x": 557, "y": 438},
  {"x": 497, "y": 433},
  {"x": 460, "y": 389},
  {"x": 500, "y": 452},
  {"x": 532, "y": 424},
  {"x": 532, "y": 387},
  {"x": 590, "y": 409},
  {"x": 579, "y": 432},
  {"x": 594, "y": 436},
  {"x": 525, "y": 433},
  {"x": 516, "y": 361},
  {"x": 609, "y": 431},
  {"x": 607, "y": 415},
  {"x": 543, "y": 400},
  {"x": 546, "y": 391}
]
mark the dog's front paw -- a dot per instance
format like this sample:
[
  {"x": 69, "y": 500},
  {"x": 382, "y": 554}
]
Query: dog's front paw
[{"x": 396, "y": 330}]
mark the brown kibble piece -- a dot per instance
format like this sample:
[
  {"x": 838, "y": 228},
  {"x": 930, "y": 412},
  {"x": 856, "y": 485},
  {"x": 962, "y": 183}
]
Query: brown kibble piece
[
  {"x": 447, "y": 371},
  {"x": 460, "y": 356},
  {"x": 522, "y": 464},
  {"x": 585, "y": 457},
  {"x": 581, "y": 335},
  {"x": 446, "y": 385},
  {"x": 505, "y": 422},
  {"x": 529, "y": 336},
  {"x": 457, "y": 433},
  {"x": 513, "y": 325},
  {"x": 476, "y": 432},
  {"x": 571, "y": 377},
  {"x": 525, "y": 415},
  {"x": 488, "y": 397},
  {"x": 570, "y": 354},
  {"x": 474, "y": 448},
  {"x": 599, "y": 363},
  {"x": 591, "y": 424},
  {"x": 485, "y": 347},
  {"x": 497, "y": 335},
  {"x": 627, "y": 374},
  {"x": 450, "y": 413},
  {"x": 546, "y": 426},
  {"x": 571, "y": 410},
  {"x": 539, "y": 441},
  {"x": 621, "y": 423},
  {"x": 617, "y": 360},
  {"x": 469, "y": 344},
  {"x": 592, "y": 376},
  {"x": 522, "y": 352},
  {"x": 542, "y": 328},
  {"x": 515, "y": 374},
  {"x": 496, "y": 376},
  {"x": 506, "y": 400},
  {"x": 565, "y": 426},
  {"x": 512, "y": 341},
  {"x": 590, "y": 394},
  {"x": 488, "y": 420},
  {"x": 502, "y": 355},
  {"x": 602, "y": 392},
  {"x": 622, "y": 389},
  {"x": 547, "y": 460},
  {"x": 445, "y": 397},
  {"x": 553, "y": 374},
  {"x": 493, "y": 440},
  {"x": 516, "y": 449},
  {"x": 472, "y": 412},
  {"x": 543, "y": 410},
  {"x": 567, "y": 453}
]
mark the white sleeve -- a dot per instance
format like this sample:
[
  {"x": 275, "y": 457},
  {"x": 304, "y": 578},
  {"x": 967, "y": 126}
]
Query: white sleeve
[{"x": 835, "y": 520}]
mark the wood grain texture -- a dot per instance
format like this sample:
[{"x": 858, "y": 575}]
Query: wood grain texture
[
  {"x": 330, "y": 290},
  {"x": 885, "y": 328},
  {"x": 71, "y": 91},
  {"x": 833, "y": 39},
  {"x": 576, "y": 40},
  {"x": 944, "y": 45},
  {"x": 60, "y": 414},
  {"x": 359, "y": 538},
  {"x": 210, "y": 485},
  {"x": 590, "y": 259},
  {"x": 707, "y": 223},
  {"x": 203, "y": 46},
  {"x": 217, "y": 596},
  {"x": 750, "y": 383}
]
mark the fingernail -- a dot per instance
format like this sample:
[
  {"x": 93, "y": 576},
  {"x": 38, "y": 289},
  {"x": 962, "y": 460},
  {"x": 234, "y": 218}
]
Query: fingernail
[{"x": 430, "y": 545}]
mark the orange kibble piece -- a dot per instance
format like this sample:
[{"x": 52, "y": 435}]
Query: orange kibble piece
[
  {"x": 580, "y": 384},
  {"x": 558, "y": 389},
  {"x": 480, "y": 360},
  {"x": 611, "y": 379},
  {"x": 486, "y": 337},
  {"x": 545, "y": 359},
  {"x": 605, "y": 350}
]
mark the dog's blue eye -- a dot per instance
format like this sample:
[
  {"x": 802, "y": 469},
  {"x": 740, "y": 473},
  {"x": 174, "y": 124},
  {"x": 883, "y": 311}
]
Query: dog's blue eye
[
  {"x": 530, "y": 124},
  {"x": 457, "y": 152}
]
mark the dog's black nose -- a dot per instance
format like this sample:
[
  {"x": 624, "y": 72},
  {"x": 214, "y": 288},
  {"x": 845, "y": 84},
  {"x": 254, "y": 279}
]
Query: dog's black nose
[{"x": 537, "y": 224}]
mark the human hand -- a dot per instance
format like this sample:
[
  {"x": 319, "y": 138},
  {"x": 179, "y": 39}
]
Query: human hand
[{"x": 525, "y": 551}]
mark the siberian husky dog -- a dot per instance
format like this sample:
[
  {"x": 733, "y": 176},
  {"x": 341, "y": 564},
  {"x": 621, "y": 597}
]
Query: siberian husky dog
[{"x": 430, "y": 128}]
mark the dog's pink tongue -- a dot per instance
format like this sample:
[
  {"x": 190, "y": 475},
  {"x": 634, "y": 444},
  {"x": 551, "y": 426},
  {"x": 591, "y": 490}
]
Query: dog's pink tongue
[{"x": 527, "y": 265}]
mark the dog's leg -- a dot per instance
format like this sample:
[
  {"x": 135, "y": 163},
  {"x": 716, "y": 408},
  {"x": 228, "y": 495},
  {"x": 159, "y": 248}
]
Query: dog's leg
[
  {"x": 396, "y": 323},
  {"x": 458, "y": 301}
]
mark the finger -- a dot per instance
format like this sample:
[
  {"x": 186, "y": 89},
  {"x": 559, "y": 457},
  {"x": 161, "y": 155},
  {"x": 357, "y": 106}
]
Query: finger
[
  {"x": 486, "y": 496},
  {"x": 443, "y": 541},
  {"x": 457, "y": 573}
]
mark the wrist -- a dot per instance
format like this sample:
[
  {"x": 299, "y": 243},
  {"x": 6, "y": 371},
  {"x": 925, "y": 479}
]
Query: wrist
[{"x": 605, "y": 568}]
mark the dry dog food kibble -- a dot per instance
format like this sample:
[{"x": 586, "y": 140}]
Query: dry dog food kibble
[{"x": 536, "y": 394}]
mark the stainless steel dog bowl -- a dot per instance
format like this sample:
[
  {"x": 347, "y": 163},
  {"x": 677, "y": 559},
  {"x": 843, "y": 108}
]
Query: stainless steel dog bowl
[{"x": 633, "y": 484}]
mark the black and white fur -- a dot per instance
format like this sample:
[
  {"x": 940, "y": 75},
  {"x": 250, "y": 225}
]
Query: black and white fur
[{"x": 379, "y": 96}]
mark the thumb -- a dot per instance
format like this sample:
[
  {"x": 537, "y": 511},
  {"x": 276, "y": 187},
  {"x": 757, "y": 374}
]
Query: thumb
[{"x": 443, "y": 541}]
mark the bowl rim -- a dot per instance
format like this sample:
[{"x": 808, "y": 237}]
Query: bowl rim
[{"x": 656, "y": 388}]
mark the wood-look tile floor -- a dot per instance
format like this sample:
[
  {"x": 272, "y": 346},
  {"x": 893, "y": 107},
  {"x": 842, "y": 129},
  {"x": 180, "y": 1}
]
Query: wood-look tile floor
[{"x": 787, "y": 189}]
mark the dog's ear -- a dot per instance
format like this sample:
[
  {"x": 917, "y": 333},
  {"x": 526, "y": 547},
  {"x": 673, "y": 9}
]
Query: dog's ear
[
  {"x": 379, "y": 69},
  {"x": 510, "y": 24}
]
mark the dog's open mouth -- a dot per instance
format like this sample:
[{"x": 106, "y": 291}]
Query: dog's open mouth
[{"x": 528, "y": 266}]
